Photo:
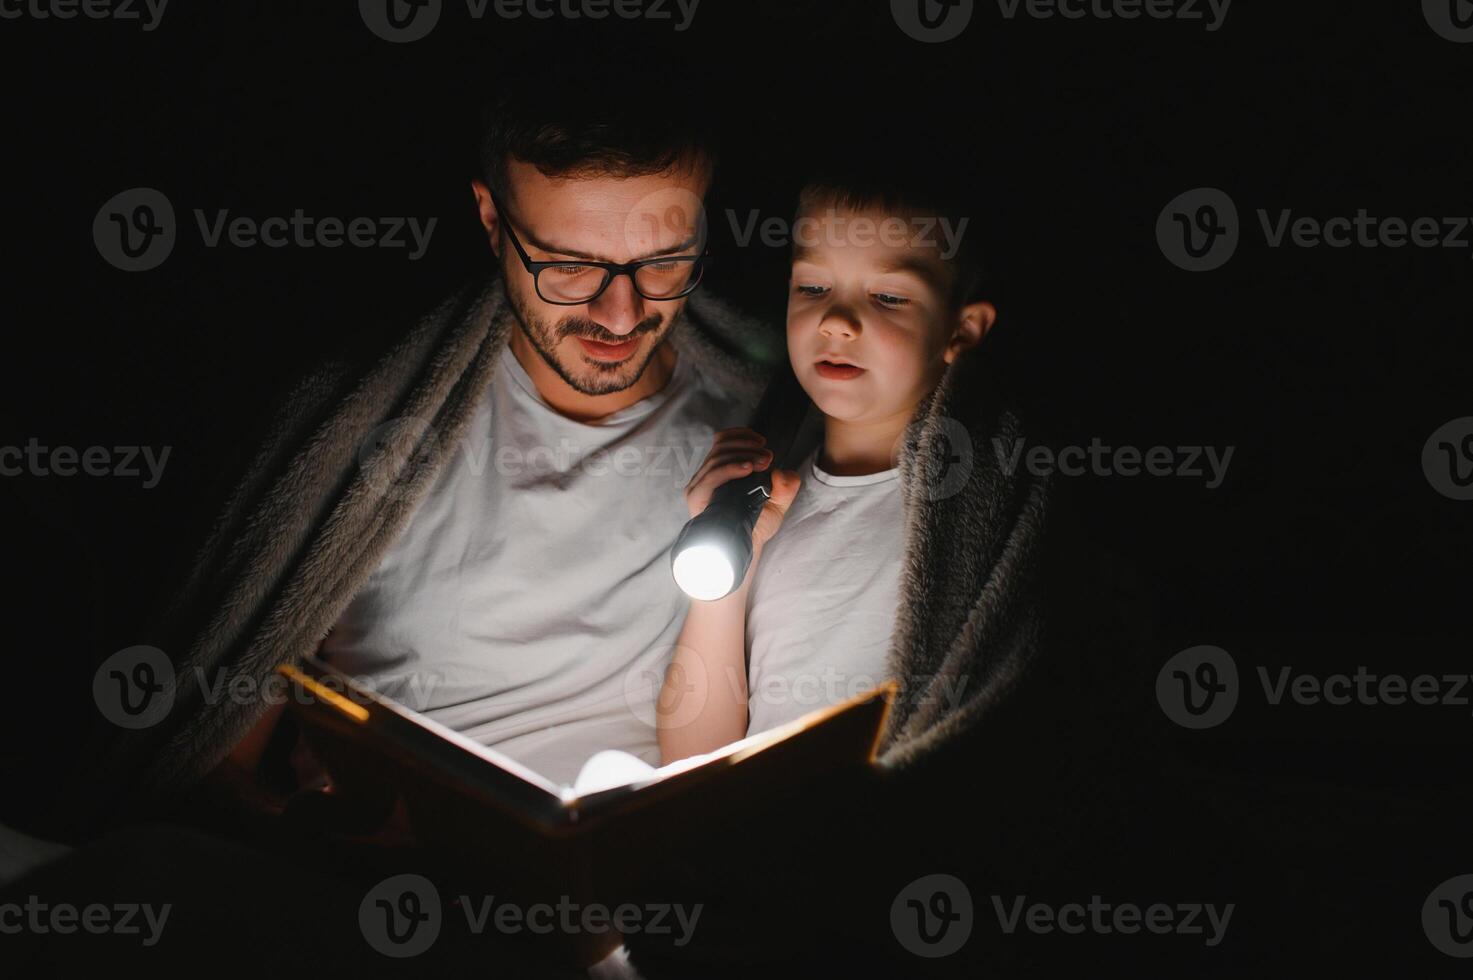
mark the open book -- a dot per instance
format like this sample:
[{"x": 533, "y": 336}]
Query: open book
[
  {"x": 373, "y": 745},
  {"x": 501, "y": 826}
]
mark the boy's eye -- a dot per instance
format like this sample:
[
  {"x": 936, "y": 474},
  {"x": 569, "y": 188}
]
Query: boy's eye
[
  {"x": 888, "y": 299},
  {"x": 812, "y": 290}
]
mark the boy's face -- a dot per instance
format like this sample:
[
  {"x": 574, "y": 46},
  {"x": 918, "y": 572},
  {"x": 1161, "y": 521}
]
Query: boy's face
[{"x": 879, "y": 301}]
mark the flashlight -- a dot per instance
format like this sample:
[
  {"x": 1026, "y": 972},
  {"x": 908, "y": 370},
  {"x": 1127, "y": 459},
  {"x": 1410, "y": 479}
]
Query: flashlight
[{"x": 711, "y": 554}]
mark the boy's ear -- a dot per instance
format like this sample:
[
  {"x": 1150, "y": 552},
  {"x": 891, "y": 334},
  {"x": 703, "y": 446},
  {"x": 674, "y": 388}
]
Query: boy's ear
[
  {"x": 973, "y": 322},
  {"x": 487, "y": 209}
]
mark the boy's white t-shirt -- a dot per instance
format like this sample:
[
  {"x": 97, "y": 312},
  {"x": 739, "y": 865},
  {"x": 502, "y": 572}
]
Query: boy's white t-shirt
[{"x": 821, "y": 608}]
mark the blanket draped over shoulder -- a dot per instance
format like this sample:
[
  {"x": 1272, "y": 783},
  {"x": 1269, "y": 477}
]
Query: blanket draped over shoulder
[{"x": 352, "y": 451}]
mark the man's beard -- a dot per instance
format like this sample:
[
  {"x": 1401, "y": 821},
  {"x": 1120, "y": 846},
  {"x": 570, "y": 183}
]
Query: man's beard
[{"x": 600, "y": 378}]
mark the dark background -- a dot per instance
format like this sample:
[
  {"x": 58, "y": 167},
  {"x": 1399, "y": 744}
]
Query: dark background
[{"x": 1327, "y": 369}]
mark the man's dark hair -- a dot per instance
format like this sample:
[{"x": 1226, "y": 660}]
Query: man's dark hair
[
  {"x": 609, "y": 111},
  {"x": 915, "y": 186}
]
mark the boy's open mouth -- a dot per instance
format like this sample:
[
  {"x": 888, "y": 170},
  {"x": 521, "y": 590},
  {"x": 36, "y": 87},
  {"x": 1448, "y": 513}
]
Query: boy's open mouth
[{"x": 838, "y": 371}]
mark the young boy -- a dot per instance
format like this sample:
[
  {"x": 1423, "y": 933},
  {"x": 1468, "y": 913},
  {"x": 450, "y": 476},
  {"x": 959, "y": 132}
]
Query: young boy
[{"x": 880, "y": 304}]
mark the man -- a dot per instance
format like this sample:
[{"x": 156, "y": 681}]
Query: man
[
  {"x": 507, "y": 575},
  {"x": 528, "y": 603},
  {"x": 530, "y": 598}
]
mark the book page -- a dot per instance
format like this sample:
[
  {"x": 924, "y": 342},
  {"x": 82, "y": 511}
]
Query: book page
[
  {"x": 613, "y": 769},
  {"x": 607, "y": 770}
]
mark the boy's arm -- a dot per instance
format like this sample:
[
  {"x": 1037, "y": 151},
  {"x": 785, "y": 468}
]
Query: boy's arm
[{"x": 703, "y": 702}]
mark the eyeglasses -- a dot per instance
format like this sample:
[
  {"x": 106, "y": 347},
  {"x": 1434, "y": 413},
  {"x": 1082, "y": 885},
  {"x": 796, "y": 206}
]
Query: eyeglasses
[{"x": 565, "y": 283}]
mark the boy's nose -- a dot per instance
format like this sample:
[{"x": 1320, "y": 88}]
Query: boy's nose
[{"x": 837, "y": 323}]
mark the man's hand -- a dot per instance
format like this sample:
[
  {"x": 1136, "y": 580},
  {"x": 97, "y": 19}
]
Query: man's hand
[
  {"x": 311, "y": 807},
  {"x": 311, "y": 804},
  {"x": 307, "y": 768},
  {"x": 238, "y": 776}
]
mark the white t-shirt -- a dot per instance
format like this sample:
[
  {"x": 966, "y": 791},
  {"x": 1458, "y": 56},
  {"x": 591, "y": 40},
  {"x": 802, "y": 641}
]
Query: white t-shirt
[
  {"x": 528, "y": 602},
  {"x": 821, "y": 608}
]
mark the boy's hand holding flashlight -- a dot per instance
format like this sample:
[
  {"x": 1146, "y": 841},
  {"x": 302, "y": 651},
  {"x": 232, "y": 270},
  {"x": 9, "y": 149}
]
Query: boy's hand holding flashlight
[{"x": 738, "y": 453}]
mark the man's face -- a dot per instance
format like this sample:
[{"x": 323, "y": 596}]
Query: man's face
[
  {"x": 879, "y": 306},
  {"x": 603, "y": 346}
]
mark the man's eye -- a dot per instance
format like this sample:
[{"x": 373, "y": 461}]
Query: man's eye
[
  {"x": 812, "y": 290},
  {"x": 888, "y": 299},
  {"x": 571, "y": 270}
]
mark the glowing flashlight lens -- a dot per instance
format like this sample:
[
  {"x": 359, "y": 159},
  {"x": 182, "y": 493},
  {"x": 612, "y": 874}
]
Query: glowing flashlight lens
[{"x": 703, "y": 571}]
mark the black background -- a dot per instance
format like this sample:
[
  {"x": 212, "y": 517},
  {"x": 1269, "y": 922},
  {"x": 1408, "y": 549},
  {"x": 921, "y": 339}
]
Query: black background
[{"x": 1326, "y": 369}]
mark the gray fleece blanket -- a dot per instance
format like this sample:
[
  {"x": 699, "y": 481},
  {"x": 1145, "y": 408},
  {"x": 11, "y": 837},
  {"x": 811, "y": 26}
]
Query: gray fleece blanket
[{"x": 352, "y": 451}]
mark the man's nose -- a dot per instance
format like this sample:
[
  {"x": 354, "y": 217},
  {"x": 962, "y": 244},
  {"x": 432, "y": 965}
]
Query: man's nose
[{"x": 620, "y": 309}]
